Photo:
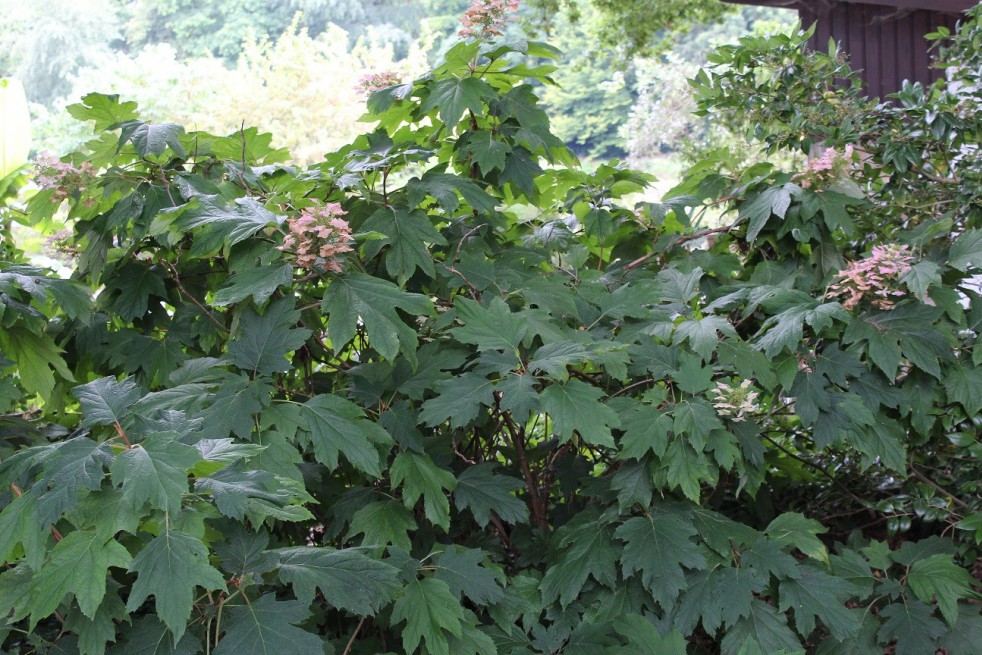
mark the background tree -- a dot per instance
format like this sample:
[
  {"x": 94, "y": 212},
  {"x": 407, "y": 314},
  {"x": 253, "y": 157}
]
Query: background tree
[{"x": 635, "y": 27}]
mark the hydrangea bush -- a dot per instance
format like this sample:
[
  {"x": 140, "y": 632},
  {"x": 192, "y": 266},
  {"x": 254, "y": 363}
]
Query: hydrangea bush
[{"x": 448, "y": 392}]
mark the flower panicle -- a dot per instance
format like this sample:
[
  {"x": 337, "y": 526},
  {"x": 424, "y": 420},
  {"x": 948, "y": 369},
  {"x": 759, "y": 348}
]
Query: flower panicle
[
  {"x": 318, "y": 238},
  {"x": 486, "y": 19},
  {"x": 378, "y": 81},
  {"x": 875, "y": 278},
  {"x": 823, "y": 171},
  {"x": 735, "y": 402},
  {"x": 63, "y": 177}
]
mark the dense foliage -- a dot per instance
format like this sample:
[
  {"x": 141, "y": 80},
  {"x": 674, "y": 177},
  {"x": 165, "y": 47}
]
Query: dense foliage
[{"x": 446, "y": 392}]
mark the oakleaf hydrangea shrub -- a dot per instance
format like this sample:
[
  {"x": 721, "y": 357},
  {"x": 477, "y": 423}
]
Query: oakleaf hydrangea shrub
[{"x": 449, "y": 392}]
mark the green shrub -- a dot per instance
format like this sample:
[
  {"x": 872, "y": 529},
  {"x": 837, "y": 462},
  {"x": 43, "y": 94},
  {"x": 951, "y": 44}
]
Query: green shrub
[{"x": 444, "y": 393}]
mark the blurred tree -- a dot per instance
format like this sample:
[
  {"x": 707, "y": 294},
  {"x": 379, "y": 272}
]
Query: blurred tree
[
  {"x": 593, "y": 98},
  {"x": 75, "y": 33},
  {"x": 301, "y": 88},
  {"x": 633, "y": 27},
  {"x": 202, "y": 27},
  {"x": 662, "y": 120}
]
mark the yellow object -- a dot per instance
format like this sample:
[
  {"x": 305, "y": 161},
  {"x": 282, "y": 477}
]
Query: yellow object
[{"x": 15, "y": 126}]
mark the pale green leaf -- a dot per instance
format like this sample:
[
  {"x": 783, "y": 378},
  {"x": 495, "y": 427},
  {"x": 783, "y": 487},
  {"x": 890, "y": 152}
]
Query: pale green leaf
[{"x": 349, "y": 579}]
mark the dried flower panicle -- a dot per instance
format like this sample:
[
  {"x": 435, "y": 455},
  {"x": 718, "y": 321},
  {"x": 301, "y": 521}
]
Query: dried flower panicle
[
  {"x": 318, "y": 237},
  {"x": 61, "y": 242},
  {"x": 486, "y": 19},
  {"x": 378, "y": 81},
  {"x": 821, "y": 172},
  {"x": 736, "y": 402},
  {"x": 63, "y": 177},
  {"x": 876, "y": 277}
]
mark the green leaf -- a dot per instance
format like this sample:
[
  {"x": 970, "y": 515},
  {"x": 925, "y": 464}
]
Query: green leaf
[
  {"x": 482, "y": 492},
  {"x": 454, "y": 96},
  {"x": 19, "y": 524},
  {"x": 37, "y": 359},
  {"x": 588, "y": 550},
  {"x": 965, "y": 637},
  {"x": 170, "y": 567},
  {"x": 633, "y": 484},
  {"x": 518, "y": 395},
  {"x": 521, "y": 170},
  {"x": 464, "y": 571},
  {"x": 692, "y": 377},
  {"x": 266, "y": 626},
  {"x": 938, "y": 577},
  {"x": 419, "y": 476},
  {"x": 921, "y": 277},
  {"x": 15, "y": 591},
  {"x": 764, "y": 629},
  {"x": 785, "y": 330},
  {"x": 355, "y": 297},
  {"x": 152, "y": 139},
  {"x": 105, "y": 401},
  {"x": 964, "y": 385},
  {"x": 702, "y": 334},
  {"x": 349, "y": 579},
  {"x": 216, "y": 454},
  {"x": 912, "y": 625},
  {"x": 644, "y": 638},
  {"x": 966, "y": 251},
  {"x": 71, "y": 469},
  {"x": 79, "y": 564},
  {"x": 267, "y": 339},
  {"x": 658, "y": 546},
  {"x": 148, "y": 636},
  {"x": 105, "y": 110},
  {"x": 260, "y": 283},
  {"x": 486, "y": 151},
  {"x": 722, "y": 533},
  {"x": 430, "y": 612},
  {"x": 773, "y": 201},
  {"x": 814, "y": 594},
  {"x": 408, "y": 233},
  {"x": 687, "y": 469},
  {"x": 697, "y": 420},
  {"x": 234, "y": 406},
  {"x": 793, "y": 529},
  {"x": 155, "y": 470},
  {"x": 225, "y": 224},
  {"x": 909, "y": 329},
  {"x": 95, "y": 633},
  {"x": 383, "y": 523},
  {"x": 338, "y": 426},
  {"x": 553, "y": 358},
  {"x": 491, "y": 328},
  {"x": 445, "y": 187},
  {"x": 460, "y": 400},
  {"x": 575, "y": 406},
  {"x": 258, "y": 494},
  {"x": 645, "y": 430}
]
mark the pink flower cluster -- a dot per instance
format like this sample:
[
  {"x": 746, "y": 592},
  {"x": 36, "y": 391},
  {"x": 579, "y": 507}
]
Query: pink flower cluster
[
  {"x": 486, "y": 19},
  {"x": 875, "y": 277},
  {"x": 825, "y": 170},
  {"x": 319, "y": 236},
  {"x": 378, "y": 81},
  {"x": 64, "y": 178}
]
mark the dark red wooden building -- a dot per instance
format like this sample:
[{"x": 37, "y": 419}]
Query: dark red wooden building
[{"x": 884, "y": 38}]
